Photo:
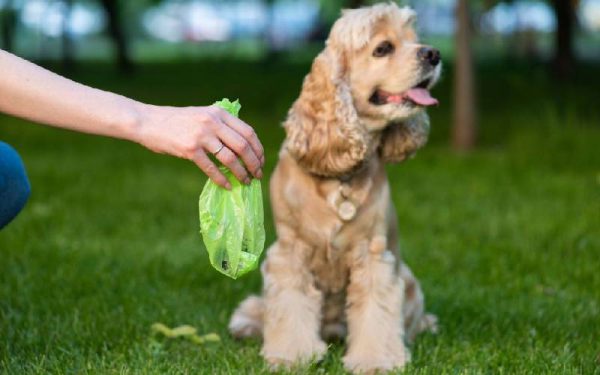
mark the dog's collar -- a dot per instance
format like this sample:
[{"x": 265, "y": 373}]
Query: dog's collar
[{"x": 342, "y": 178}]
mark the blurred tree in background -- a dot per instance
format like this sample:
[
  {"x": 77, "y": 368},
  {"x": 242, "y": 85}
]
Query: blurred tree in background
[
  {"x": 113, "y": 11},
  {"x": 566, "y": 22},
  {"x": 464, "y": 130},
  {"x": 67, "y": 38},
  {"x": 8, "y": 23},
  {"x": 565, "y": 19}
]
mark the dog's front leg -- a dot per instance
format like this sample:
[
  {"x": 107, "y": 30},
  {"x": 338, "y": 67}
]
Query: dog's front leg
[
  {"x": 374, "y": 305},
  {"x": 293, "y": 307}
]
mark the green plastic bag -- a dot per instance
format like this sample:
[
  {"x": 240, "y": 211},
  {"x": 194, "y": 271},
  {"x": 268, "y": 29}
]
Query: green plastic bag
[{"x": 232, "y": 222}]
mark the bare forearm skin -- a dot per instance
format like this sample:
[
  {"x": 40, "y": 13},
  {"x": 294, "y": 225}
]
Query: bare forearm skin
[{"x": 34, "y": 93}]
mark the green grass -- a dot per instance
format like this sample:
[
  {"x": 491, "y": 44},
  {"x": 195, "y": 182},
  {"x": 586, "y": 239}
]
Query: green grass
[{"x": 505, "y": 240}]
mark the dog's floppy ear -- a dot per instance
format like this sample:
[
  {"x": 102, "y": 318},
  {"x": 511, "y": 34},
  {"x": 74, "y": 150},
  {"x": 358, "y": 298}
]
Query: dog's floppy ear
[
  {"x": 401, "y": 140},
  {"x": 323, "y": 131}
]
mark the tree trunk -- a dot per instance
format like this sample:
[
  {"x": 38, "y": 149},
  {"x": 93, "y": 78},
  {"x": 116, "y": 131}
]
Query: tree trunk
[
  {"x": 67, "y": 38},
  {"x": 565, "y": 17},
  {"x": 272, "y": 51},
  {"x": 464, "y": 130},
  {"x": 8, "y": 23},
  {"x": 115, "y": 30}
]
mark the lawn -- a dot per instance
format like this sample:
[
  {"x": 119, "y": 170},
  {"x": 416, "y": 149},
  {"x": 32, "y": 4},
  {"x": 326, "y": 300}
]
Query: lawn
[{"x": 505, "y": 240}]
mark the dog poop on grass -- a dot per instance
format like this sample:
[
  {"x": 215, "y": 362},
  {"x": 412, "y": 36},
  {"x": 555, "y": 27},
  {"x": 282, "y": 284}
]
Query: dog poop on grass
[
  {"x": 185, "y": 331},
  {"x": 232, "y": 221}
]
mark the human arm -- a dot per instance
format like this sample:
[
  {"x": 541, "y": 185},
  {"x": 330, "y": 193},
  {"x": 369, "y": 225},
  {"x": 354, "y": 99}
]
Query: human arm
[{"x": 34, "y": 93}]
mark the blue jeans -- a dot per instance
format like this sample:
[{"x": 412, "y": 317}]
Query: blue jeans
[{"x": 14, "y": 185}]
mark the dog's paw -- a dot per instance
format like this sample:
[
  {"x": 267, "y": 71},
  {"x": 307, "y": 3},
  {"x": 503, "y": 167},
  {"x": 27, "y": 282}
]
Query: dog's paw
[
  {"x": 295, "y": 355},
  {"x": 369, "y": 364}
]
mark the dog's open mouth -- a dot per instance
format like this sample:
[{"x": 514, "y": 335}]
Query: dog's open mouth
[{"x": 418, "y": 95}]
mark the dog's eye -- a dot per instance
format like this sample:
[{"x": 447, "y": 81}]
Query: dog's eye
[{"x": 383, "y": 49}]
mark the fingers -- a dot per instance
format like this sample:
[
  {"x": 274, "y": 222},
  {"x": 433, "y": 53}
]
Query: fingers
[
  {"x": 228, "y": 158},
  {"x": 247, "y": 132},
  {"x": 229, "y": 139},
  {"x": 211, "y": 170},
  {"x": 241, "y": 147},
  {"x": 231, "y": 161}
]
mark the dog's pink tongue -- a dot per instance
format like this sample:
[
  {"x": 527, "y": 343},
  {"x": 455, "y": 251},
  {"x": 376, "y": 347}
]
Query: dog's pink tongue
[{"x": 421, "y": 97}]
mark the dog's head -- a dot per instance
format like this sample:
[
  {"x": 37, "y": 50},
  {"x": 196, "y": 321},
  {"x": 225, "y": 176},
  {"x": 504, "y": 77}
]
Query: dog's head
[
  {"x": 366, "y": 93},
  {"x": 388, "y": 71}
]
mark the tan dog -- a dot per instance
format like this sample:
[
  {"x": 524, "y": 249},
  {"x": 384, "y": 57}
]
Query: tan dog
[{"x": 335, "y": 267}]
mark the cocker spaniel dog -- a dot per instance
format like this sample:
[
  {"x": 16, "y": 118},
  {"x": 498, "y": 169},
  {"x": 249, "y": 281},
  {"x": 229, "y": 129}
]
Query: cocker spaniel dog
[{"x": 335, "y": 270}]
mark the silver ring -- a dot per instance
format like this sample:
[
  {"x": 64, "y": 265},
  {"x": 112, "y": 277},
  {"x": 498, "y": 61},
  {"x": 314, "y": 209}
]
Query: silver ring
[{"x": 219, "y": 150}]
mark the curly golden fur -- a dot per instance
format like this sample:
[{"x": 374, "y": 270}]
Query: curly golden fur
[{"x": 335, "y": 270}]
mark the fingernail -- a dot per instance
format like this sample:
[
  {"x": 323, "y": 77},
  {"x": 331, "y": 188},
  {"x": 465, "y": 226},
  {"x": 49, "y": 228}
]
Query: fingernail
[
  {"x": 247, "y": 181},
  {"x": 259, "y": 173},
  {"x": 228, "y": 186}
]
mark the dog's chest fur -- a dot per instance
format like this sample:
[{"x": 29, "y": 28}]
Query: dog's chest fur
[
  {"x": 356, "y": 209},
  {"x": 333, "y": 217}
]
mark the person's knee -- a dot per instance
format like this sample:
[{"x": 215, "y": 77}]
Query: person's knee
[{"x": 14, "y": 185}]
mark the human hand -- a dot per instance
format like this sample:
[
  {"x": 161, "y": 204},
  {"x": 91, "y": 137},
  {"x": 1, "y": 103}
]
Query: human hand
[{"x": 194, "y": 132}]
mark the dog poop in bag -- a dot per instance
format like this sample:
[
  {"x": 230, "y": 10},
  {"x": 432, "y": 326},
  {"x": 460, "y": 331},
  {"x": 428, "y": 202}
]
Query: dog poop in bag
[{"x": 232, "y": 221}]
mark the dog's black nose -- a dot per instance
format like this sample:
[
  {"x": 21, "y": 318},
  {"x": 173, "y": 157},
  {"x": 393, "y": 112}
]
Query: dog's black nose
[{"x": 429, "y": 55}]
